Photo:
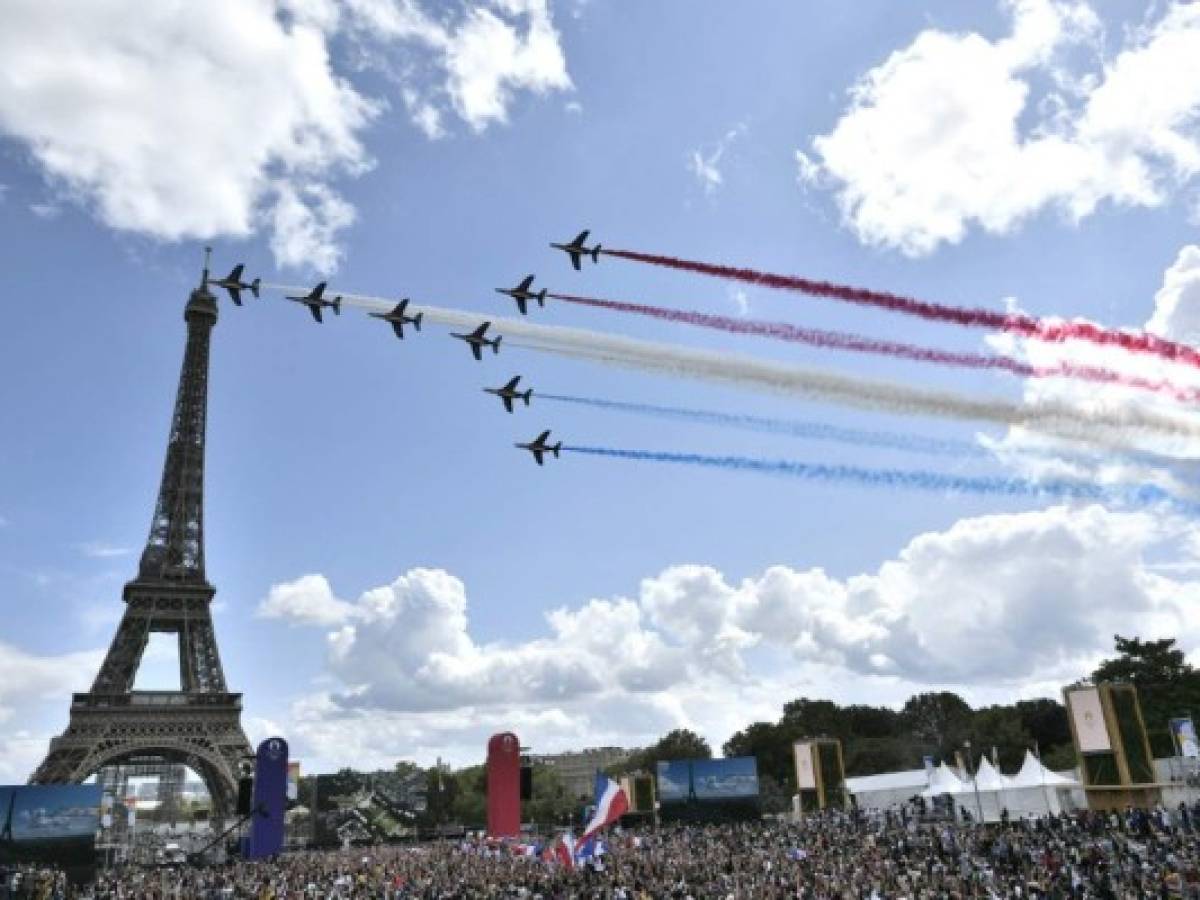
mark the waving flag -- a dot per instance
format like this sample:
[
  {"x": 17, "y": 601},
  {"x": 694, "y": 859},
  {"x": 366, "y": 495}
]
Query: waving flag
[
  {"x": 564, "y": 850},
  {"x": 611, "y": 804}
]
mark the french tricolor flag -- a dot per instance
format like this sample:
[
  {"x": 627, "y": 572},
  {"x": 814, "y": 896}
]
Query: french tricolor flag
[{"x": 611, "y": 804}]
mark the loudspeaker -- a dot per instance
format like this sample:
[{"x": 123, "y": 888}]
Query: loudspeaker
[
  {"x": 245, "y": 795},
  {"x": 526, "y": 782}
]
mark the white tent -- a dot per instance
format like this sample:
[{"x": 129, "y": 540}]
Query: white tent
[
  {"x": 943, "y": 781},
  {"x": 1036, "y": 791},
  {"x": 1034, "y": 774},
  {"x": 887, "y": 790}
]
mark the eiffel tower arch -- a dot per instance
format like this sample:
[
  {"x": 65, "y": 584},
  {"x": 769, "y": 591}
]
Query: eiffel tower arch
[{"x": 200, "y": 724}]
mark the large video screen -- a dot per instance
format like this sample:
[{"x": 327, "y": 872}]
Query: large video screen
[
  {"x": 674, "y": 780},
  {"x": 355, "y": 808},
  {"x": 54, "y": 823},
  {"x": 725, "y": 779}
]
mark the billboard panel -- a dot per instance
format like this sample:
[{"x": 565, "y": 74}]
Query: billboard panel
[
  {"x": 1184, "y": 731},
  {"x": 725, "y": 779},
  {"x": 674, "y": 780},
  {"x": 806, "y": 775},
  {"x": 1088, "y": 718},
  {"x": 53, "y": 823},
  {"x": 352, "y": 806}
]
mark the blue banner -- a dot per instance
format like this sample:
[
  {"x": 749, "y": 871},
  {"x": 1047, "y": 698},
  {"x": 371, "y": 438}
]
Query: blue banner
[{"x": 270, "y": 799}]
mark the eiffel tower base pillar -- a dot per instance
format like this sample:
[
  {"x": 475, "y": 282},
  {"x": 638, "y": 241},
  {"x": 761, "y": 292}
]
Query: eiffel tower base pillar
[{"x": 200, "y": 731}]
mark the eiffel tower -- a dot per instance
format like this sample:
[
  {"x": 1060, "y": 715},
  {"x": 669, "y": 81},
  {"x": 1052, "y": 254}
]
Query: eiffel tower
[{"x": 199, "y": 725}]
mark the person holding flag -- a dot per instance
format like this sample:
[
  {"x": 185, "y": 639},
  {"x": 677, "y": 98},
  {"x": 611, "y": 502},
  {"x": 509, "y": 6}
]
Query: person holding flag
[{"x": 611, "y": 804}]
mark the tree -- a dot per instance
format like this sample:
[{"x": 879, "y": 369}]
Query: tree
[
  {"x": 1168, "y": 686},
  {"x": 678, "y": 744},
  {"x": 1046, "y": 721},
  {"x": 940, "y": 719},
  {"x": 814, "y": 718},
  {"x": 1001, "y": 728},
  {"x": 771, "y": 745}
]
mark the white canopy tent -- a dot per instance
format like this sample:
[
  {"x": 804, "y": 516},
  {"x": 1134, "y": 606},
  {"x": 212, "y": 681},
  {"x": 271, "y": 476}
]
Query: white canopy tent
[
  {"x": 1033, "y": 791},
  {"x": 943, "y": 781}
]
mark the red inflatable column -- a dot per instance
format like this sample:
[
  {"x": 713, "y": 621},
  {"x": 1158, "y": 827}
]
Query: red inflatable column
[{"x": 504, "y": 785}]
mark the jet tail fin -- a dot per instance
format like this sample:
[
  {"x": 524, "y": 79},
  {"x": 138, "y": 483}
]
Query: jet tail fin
[
  {"x": 596, "y": 254},
  {"x": 528, "y": 394},
  {"x": 555, "y": 449},
  {"x": 417, "y": 320},
  {"x": 496, "y": 343},
  {"x": 255, "y": 285},
  {"x": 337, "y": 306},
  {"x": 542, "y": 297}
]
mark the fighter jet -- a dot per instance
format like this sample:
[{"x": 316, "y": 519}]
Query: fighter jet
[
  {"x": 399, "y": 319},
  {"x": 315, "y": 299},
  {"x": 234, "y": 284},
  {"x": 521, "y": 293},
  {"x": 538, "y": 447},
  {"x": 477, "y": 340},
  {"x": 509, "y": 393},
  {"x": 577, "y": 251}
]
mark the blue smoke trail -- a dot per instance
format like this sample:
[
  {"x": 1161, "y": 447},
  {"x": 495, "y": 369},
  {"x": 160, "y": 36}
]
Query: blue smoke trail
[
  {"x": 1142, "y": 495},
  {"x": 816, "y": 431}
]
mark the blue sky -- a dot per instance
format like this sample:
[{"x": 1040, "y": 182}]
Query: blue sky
[{"x": 394, "y": 579}]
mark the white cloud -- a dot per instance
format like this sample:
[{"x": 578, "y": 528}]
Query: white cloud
[
  {"x": 483, "y": 57},
  {"x": 951, "y": 131},
  {"x": 306, "y": 220},
  {"x": 31, "y": 682},
  {"x": 308, "y": 600},
  {"x": 45, "y": 210},
  {"x": 995, "y": 606},
  {"x": 1177, "y": 303},
  {"x": 705, "y": 164},
  {"x": 178, "y": 120}
]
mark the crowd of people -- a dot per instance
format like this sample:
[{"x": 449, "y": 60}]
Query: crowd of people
[{"x": 1137, "y": 854}]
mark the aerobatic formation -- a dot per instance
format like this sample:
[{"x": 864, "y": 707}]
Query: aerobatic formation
[{"x": 1132, "y": 434}]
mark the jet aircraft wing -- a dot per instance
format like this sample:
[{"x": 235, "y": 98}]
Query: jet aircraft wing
[
  {"x": 399, "y": 329},
  {"x": 316, "y": 312}
]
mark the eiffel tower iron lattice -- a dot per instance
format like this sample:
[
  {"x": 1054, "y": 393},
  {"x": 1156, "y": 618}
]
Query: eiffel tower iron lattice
[{"x": 200, "y": 724}]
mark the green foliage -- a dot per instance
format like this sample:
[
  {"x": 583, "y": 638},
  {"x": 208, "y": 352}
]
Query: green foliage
[
  {"x": 940, "y": 719},
  {"x": 678, "y": 744},
  {"x": 1168, "y": 686},
  {"x": 877, "y": 739}
]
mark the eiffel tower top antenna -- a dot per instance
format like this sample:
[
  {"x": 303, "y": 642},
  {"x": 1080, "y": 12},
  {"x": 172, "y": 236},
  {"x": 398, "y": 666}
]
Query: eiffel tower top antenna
[{"x": 204, "y": 277}]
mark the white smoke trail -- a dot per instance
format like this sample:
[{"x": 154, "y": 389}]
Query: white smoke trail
[{"x": 1107, "y": 428}]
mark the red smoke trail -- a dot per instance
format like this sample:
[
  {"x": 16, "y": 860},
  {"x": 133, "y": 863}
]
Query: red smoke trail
[
  {"x": 1015, "y": 323},
  {"x": 836, "y": 340}
]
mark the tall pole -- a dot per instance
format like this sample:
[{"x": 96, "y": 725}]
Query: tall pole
[{"x": 974, "y": 781}]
